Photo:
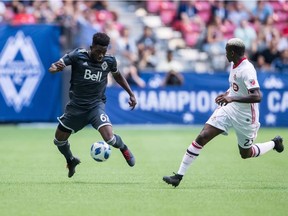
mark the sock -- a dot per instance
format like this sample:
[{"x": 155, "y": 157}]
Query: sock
[
  {"x": 262, "y": 148},
  {"x": 64, "y": 148},
  {"x": 191, "y": 154},
  {"x": 117, "y": 142}
]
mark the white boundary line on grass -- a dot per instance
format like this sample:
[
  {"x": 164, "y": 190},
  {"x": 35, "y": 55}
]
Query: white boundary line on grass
[{"x": 115, "y": 126}]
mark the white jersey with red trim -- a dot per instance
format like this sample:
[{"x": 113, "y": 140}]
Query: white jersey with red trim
[{"x": 243, "y": 77}]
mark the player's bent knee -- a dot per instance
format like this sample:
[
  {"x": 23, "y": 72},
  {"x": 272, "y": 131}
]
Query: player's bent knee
[
  {"x": 245, "y": 153},
  {"x": 245, "y": 156}
]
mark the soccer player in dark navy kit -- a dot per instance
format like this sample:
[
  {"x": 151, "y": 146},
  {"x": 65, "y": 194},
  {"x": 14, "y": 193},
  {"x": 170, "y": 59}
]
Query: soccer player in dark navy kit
[{"x": 87, "y": 97}]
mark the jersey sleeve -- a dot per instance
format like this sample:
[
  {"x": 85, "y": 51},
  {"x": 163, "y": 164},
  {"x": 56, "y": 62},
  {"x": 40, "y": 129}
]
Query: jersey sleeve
[
  {"x": 68, "y": 58},
  {"x": 114, "y": 68},
  {"x": 250, "y": 78}
]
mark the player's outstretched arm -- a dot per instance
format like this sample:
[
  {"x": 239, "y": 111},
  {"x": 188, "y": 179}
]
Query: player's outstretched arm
[
  {"x": 124, "y": 84},
  {"x": 56, "y": 67}
]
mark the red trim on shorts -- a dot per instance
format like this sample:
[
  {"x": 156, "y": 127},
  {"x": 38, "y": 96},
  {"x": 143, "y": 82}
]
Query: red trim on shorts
[{"x": 234, "y": 66}]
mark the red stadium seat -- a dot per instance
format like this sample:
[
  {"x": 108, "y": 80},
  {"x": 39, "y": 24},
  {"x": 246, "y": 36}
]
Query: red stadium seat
[
  {"x": 285, "y": 31},
  {"x": 20, "y": 19},
  {"x": 167, "y": 16},
  {"x": 103, "y": 15},
  {"x": 190, "y": 28},
  {"x": 203, "y": 5},
  {"x": 280, "y": 26},
  {"x": 228, "y": 29},
  {"x": 153, "y": 6},
  {"x": 166, "y": 5},
  {"x": 191, "y": 39},
  {"x": 276, "y": 5},
  {"x": 205, "y": 16},
  {"x": 281, "y": 16}
]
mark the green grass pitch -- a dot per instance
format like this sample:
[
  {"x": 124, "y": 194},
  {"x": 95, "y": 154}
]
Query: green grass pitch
[{"x": 33, "y": 177}]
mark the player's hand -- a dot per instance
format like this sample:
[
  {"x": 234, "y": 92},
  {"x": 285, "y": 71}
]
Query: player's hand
[
  {"x": 132, "y": 102},
  {"x": 223, "y": 100},
  {"x": 57, "y": 66}
]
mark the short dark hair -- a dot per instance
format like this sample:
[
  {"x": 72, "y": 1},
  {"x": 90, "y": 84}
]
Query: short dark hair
[{"x": 101, "y": 38}]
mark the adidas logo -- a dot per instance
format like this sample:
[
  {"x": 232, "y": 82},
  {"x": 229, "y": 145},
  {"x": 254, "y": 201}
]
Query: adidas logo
[{"x": 85, "y": 63}]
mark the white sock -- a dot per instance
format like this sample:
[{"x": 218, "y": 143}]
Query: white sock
[
  {"x": 191, "y": 154},
  {"x": 262, "y": 148}
]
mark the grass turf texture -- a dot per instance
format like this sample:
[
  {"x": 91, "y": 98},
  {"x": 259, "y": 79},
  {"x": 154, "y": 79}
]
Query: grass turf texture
[{"x": 33, "y": 177}]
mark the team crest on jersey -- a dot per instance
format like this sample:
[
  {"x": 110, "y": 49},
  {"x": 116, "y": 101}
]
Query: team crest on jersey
[
  {"x": 235, "y": 87},
  {"x": 104, "y": 65},
  {"x": 252, "y": 82},
  {"x": 21, "y": 71}
]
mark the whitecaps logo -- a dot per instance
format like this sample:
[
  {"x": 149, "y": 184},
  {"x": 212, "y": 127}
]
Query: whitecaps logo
[
  {"x": 21, "y": 71},
  {"x": 273, "y": 82}
]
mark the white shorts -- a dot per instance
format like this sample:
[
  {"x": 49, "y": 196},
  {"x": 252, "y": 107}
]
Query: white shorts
[{"x": 246, "y": 131}]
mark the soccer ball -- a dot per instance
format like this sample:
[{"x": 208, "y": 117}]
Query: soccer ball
[{"x": 100, "y": 151}]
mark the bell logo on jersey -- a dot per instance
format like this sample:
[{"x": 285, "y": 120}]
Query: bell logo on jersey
[
  {"x": 21, "y": 71},
  {"x": 94, "y": 77}
]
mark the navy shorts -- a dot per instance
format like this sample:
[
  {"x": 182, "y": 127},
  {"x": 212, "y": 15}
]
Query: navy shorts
[{"x": 75, "y": 119}]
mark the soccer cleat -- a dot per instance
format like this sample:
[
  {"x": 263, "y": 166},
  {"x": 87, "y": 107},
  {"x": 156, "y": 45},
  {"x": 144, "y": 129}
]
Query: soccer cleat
[
  {"x": 173, "y": 180},
  {"x": 127, "y": 154},
  {"x": 279, "y": 147},
  {"x": 71, "y": 165}
]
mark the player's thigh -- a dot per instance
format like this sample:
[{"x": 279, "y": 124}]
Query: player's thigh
[
  {"x": 99, "y": 118},
  {"x": 221, "y": 120},
  {"x": 73, "y": 122},
  {"x": 106, "y": 132},
  {"x": 246, "y": 134}
]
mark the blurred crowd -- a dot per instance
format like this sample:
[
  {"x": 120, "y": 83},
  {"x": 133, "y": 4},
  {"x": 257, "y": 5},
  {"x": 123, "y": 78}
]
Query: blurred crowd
[
  {"x": 207, "y": 25},
  {"x": 78, "y": 20},
  {"x": 203, "y": 26}
]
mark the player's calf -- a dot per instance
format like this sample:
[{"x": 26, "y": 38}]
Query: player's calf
[{"x": 64, "y": 148}]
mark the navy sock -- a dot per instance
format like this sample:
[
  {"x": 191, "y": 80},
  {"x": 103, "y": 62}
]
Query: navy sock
[
  {"x": 117, "y": 142},
  {"x": 64, "y": 148}
]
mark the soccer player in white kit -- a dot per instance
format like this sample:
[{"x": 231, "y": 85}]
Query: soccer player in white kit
[{"x": 238, "y": 108}]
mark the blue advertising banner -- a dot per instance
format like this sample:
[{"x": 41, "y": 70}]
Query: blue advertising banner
[
  {"x": 193, "y": 103},
  {"x": 27, "y": 91}
]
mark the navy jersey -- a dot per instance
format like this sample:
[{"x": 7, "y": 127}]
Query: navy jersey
[{"x": 88, "y": 79}]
